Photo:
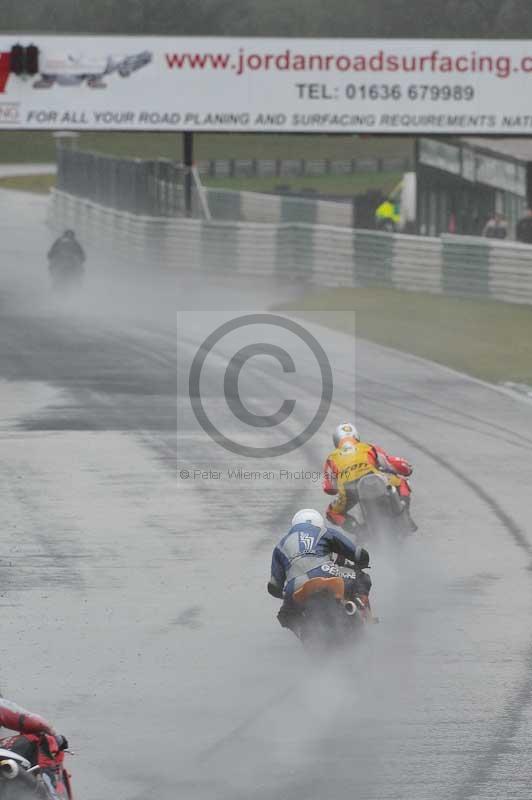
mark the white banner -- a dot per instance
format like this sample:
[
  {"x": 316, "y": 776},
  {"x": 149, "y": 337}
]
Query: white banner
[{"x": 298, "y": 85}]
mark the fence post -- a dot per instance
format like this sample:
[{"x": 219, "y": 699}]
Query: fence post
[{"x": 188, "y": 162}]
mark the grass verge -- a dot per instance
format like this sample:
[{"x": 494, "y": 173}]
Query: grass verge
[
  {"x": 329, "y": 184},
  {"x": 485, "y": 338},
  {"x": 347, "y": 185},
  {"x": 39, "y": 146},
  {"x": 29, "y": 183}
]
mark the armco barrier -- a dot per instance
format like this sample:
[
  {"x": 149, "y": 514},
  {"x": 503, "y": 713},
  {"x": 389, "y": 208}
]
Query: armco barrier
[
  {"x": 236, "y": 206},
  {"x": 466, "y": 266},
  {"x": 316, "y": 255},
  {"x": 510, "y": 272}
]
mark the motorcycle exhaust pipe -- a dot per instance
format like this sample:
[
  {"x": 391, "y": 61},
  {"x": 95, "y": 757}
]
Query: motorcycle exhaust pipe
[
  {"x": 396, "y": 504},
  {"x": 9, "y": 768},
  {"x": 350, "y": 608}
]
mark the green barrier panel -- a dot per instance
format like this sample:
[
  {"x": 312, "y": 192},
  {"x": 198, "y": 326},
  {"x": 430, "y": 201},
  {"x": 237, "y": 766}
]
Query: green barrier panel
[
  {"x": 219, "y": 246},
  {"x": 373, "y": 258},
  {"x": 303, "y": 249},
  {"x": 294, "y": 209},
  {"x": 295, "y": 252},
  {"x": 224, "y": 205},
  {"x": 465, "y": 267}
]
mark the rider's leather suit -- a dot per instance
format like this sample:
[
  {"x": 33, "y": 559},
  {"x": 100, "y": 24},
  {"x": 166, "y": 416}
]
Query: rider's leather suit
[
  {"x": 304, "y": 557},
  {"x": 18, "y": 719},
  {"x": 351, "y": 461}
]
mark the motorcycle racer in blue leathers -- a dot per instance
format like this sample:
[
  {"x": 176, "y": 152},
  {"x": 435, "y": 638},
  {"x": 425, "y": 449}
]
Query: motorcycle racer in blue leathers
[{"x": 304, "y": 559}]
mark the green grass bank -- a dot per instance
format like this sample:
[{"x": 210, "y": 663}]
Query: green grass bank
[{"x": 485, "y": 338}]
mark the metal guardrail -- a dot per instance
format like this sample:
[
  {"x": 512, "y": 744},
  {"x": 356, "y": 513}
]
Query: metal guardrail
[
  {"x": 234, "y": 206},
  {"x": 316, "y": 255}
]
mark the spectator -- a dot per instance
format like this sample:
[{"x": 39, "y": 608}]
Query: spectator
[
  {"x": 523, "y": 230},
  {"x": 496, "y": 227},
  {"x": 451, "y": 225}
]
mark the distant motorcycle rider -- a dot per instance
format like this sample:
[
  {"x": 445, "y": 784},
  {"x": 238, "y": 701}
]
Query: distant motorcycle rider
[
  {"x": 303, "y": 561},
  {"x": 67, "y": 248},
  {"x": 351, "y": 460}
]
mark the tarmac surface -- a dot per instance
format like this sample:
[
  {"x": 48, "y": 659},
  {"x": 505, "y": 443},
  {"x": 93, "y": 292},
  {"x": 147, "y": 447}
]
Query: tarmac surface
[{"x": 135, "y": 611}]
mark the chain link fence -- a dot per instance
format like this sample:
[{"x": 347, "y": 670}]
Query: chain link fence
[
  {"x": 145, "y": 188},
  {"x": 156, "y": 189}
]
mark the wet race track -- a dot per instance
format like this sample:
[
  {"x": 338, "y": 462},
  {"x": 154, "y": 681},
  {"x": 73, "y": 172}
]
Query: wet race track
[{"x": 135, "y": 614}]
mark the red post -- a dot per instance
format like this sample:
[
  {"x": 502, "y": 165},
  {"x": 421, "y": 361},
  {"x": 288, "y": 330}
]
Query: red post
[{"x": 5, "y": 66}]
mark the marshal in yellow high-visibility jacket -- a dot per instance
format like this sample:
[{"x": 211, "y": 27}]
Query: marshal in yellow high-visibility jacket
[{"x": 387, "y": 215}]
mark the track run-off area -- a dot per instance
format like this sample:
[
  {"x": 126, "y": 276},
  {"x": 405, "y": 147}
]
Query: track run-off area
[{"x": 135, "y": 612}]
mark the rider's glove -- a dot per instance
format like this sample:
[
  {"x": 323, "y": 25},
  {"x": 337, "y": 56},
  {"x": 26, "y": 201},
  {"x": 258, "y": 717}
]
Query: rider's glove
[
  {"x": 350, "y": 525},
  {"x": 275, "y": 591},
  {"x": 362, "y": 560}
]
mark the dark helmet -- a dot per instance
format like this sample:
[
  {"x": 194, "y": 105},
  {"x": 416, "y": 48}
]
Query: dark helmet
[{"x": 69, "y": 234}]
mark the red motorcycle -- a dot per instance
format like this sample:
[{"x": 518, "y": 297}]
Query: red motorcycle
[{"x": 32, "y": 768}]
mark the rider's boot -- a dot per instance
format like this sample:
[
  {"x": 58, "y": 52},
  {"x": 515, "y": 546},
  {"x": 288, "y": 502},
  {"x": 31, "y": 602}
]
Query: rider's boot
[
  {"x": 411, "y": 524},
  {"x": 404, "y": 498},
  {"x": 290, "y": 617},
  {"x": 406, "y": 511}
]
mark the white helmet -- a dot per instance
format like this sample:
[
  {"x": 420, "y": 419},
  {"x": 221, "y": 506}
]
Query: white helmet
[
  {"x": 343, "y": 430},
  {"x": 309, "y": 515}
]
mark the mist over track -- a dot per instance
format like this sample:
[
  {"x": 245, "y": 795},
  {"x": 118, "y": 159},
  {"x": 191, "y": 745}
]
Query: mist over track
[{"x": 135, "y": 612}]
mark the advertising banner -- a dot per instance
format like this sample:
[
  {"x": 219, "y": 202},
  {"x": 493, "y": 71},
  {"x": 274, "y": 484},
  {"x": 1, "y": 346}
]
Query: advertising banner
[{"x": 298, "y": 85}]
